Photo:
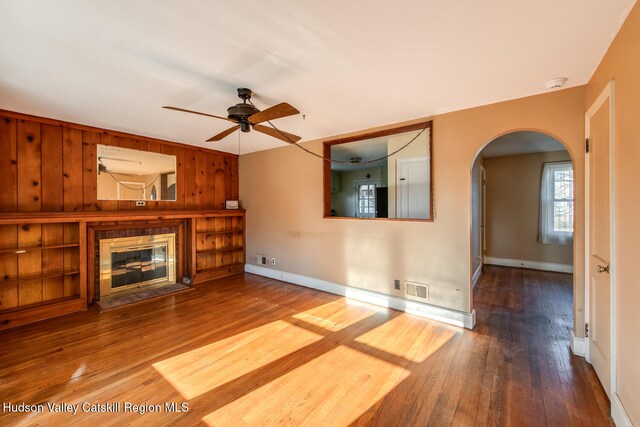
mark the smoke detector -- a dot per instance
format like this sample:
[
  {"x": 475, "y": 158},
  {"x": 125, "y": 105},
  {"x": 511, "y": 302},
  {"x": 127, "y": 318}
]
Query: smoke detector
[{"x": 556, "y": 83}]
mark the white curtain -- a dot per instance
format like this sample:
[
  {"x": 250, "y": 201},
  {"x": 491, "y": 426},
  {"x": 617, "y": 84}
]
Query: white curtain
[{"x": 556, "y": 204}]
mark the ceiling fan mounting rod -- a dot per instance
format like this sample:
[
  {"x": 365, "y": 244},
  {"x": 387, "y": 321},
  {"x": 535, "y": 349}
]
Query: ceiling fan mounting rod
[{"x": 244, "y": 93}]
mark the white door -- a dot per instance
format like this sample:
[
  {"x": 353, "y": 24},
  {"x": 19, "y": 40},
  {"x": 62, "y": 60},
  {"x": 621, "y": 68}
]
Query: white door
[
  {"x": 413, "y": 188},
  {"x": 599, "y": 256}
]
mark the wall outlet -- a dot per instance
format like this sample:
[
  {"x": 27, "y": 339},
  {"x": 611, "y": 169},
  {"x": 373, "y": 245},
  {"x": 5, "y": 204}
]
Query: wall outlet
[
  {"x": 261, "y": 260},
  {"x": 273, "y": 261},
  {"x": 140, "y": 203},
  {"x": 396, "y": 284}
]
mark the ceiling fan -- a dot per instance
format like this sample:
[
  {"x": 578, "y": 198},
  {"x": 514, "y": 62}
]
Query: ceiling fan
[{"x": 246, "y": 116}]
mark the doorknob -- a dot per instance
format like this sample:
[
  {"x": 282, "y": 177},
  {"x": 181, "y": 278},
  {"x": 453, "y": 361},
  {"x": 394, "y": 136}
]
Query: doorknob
[{"x": 602, "y": 269}]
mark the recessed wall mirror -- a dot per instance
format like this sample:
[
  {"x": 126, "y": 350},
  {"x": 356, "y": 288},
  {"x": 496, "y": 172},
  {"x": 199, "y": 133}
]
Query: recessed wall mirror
[
  {"x": 125, "y": 174},
  {"x": 393, "y": 187}
]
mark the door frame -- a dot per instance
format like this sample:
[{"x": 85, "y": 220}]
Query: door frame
[{"x": 607, "y": 95}]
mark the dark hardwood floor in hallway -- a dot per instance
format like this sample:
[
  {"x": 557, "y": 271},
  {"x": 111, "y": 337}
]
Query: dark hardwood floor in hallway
[
  {"x": 253, "y": 351},
  {"x": 529, "y": 315}
]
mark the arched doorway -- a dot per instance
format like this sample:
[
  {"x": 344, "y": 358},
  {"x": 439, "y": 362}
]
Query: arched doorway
[{"x": 522, "y": 203}]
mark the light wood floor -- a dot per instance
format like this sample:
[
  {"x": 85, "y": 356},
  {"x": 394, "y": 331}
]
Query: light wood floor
[{"x": 254, "y": 351}]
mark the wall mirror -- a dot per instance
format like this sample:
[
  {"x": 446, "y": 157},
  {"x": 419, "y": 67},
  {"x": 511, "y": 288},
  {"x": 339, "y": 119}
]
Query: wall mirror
[
  {"x": 125, "y": 174},
  {"x": 397, "y": 187}
]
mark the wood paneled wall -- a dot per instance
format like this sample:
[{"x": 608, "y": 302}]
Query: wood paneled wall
[{"x": 48, "y": 165}]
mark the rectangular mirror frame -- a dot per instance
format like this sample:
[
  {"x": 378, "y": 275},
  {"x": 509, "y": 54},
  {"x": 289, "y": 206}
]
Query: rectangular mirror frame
[{"x": 376, "y": 134}]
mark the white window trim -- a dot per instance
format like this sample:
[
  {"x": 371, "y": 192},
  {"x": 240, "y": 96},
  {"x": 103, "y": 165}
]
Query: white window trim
[{"x": 548, "y": 235}]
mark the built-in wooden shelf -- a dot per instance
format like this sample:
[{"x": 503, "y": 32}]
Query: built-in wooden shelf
[
  {"x": 219, "y": 245},
  {"x": 209, "y": 233},
  {"x": 220, "y": 250},
  {"x": 24, "y": 249},
  {"x": 46, "y": 275},
  {"x": 90, "y": 216},
  {"x": 42, "y": 271},
  {"x": 47, "y": 303},
  {"x": 222, "y": 267}
]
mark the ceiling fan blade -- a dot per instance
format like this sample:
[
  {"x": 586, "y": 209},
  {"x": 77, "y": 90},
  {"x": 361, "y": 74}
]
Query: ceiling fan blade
[
  {"x": 276, "y": 112},
  {"x": 221, "y": 135},
  {"x": 196, "y": 112},
  {"x": 290, "y": 138}
]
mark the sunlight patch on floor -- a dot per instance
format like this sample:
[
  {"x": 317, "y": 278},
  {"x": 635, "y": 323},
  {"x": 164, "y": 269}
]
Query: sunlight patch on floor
[
  {"x": 406, "y": 337},
  {"x": 334, "y": 388},
  {"x": 333, "y": 316},
  {"x": 205, "y": 368}
]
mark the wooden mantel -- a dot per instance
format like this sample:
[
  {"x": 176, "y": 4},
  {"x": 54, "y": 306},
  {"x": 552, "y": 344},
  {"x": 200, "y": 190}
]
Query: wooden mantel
[{"x": 92, "y": 216}]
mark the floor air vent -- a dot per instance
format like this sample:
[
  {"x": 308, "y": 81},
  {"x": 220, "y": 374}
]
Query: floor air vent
[{"x": 416, "y": 291}]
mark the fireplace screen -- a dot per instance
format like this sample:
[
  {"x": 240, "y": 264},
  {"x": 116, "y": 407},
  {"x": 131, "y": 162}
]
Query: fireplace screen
[
  {"x": 138, "y": 265},
  {"x": 134, "y": 262}
]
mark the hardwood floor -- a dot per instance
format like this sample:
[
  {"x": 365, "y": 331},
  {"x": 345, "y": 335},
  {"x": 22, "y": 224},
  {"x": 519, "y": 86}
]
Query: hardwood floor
[{"x": 254, "y": 351}]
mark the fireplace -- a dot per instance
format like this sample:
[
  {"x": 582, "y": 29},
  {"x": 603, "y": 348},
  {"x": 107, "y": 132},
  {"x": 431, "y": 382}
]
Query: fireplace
[{"x": 131, "y": 263}]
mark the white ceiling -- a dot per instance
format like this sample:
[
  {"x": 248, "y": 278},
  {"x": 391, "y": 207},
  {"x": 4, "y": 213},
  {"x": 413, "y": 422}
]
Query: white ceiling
[
  {"x": 135, "y": 162},
  {"x": 367, "y": 149},
  {"x": 522, "y": 142},
  {"x": 346, "y": 65}
]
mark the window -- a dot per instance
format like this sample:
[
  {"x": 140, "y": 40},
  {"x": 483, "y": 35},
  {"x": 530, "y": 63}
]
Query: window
[
  {"x": 366, "y": 199},
  {"x": 556, "y": 204}
]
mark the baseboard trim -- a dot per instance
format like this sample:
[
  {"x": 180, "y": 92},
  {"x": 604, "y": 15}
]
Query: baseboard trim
[
  {"x": 534, "y": 265},
  {"x": 476, "y": 276},
  {"x": 445, "y": 315},
  {"x": 618, "y": 413},
  {"x": 578, "y": 345}
]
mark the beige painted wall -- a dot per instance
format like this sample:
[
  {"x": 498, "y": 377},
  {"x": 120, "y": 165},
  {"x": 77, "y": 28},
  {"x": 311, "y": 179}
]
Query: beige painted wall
[
  {"x": 284, "y": 215},
  {"x": 107, "y": 186},
  {"x": 622, "y": 63},
  {"x": 476, "y": 214},
  {"x": 513, "y": 206}
]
